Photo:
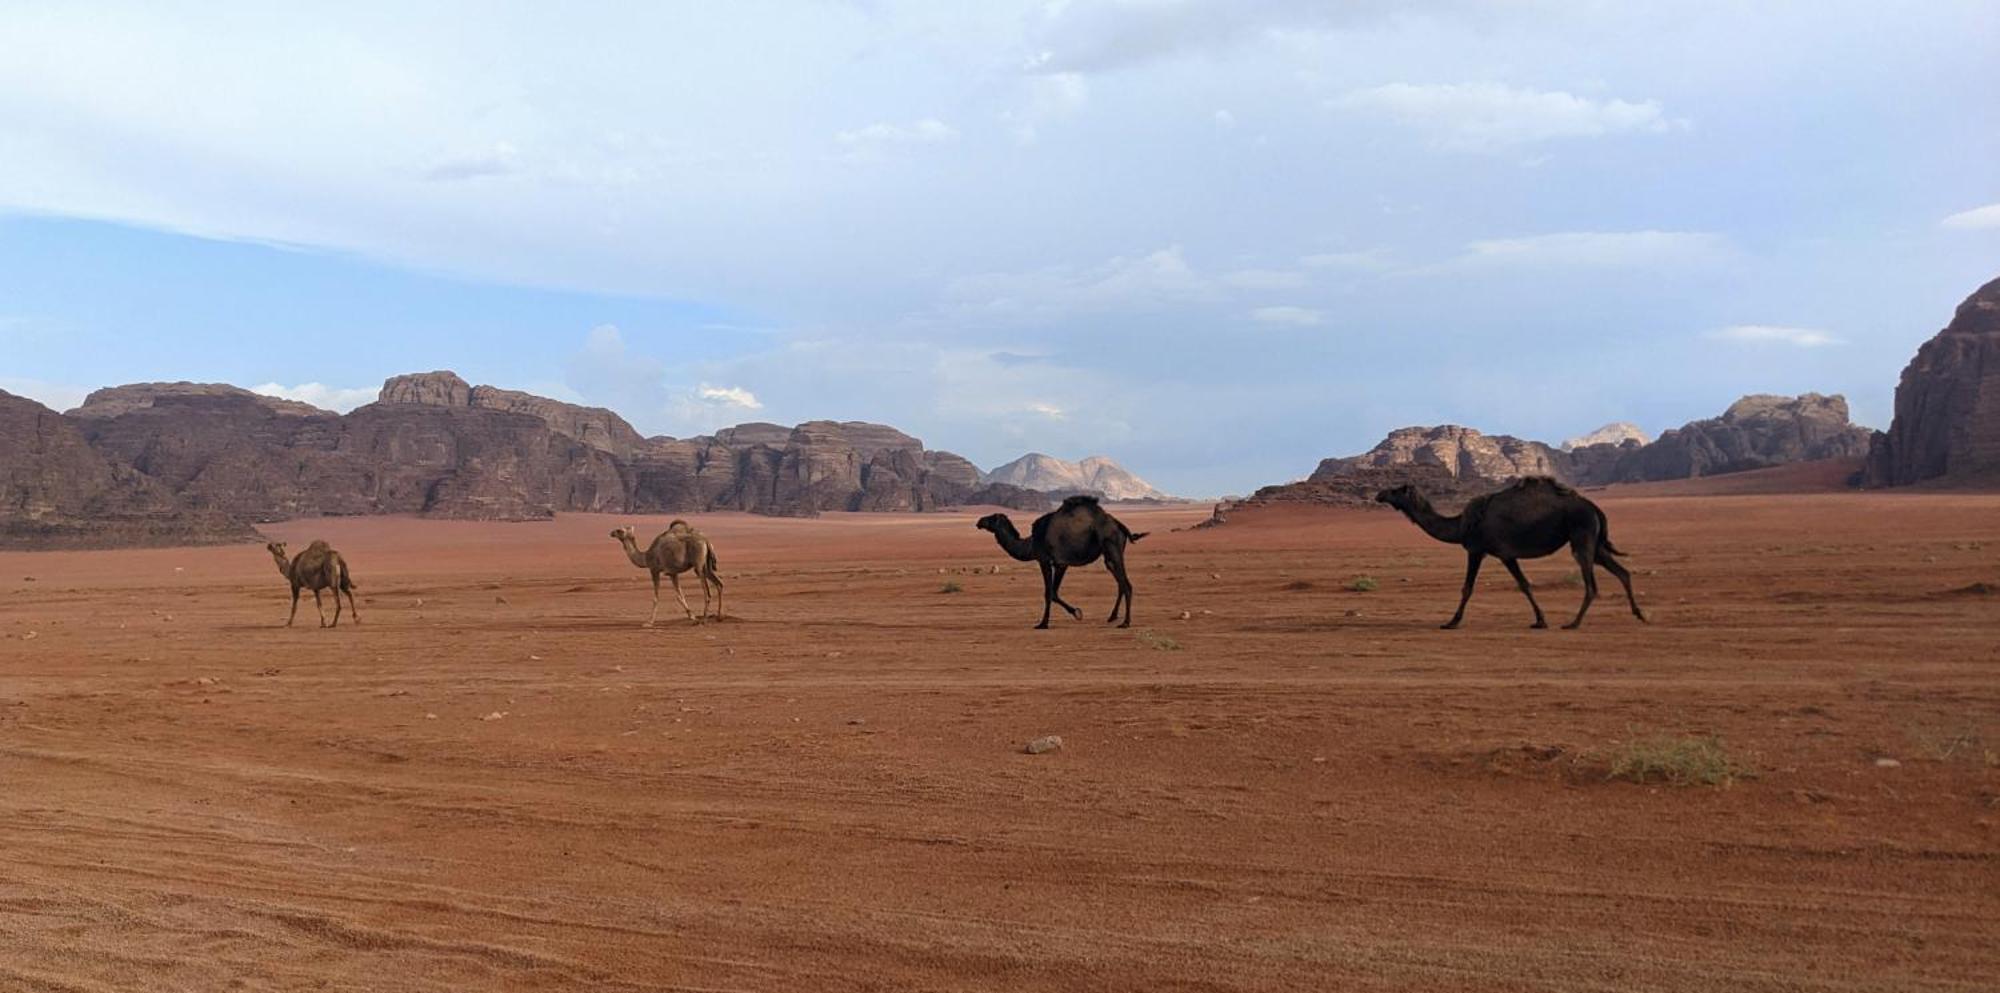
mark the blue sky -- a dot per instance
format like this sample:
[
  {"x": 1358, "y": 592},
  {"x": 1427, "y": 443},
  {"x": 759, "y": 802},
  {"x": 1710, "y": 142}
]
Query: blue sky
[{"x": 1214, "y": 240}]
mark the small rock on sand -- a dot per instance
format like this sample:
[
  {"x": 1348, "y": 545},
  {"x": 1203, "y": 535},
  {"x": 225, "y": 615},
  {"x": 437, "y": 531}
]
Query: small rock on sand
[
  {"x": 494, "y": 716},
  {"x": 1043, "y": 744},
  {"x": 1185, "y": 615},
  {"x": 1887, "y": 763}
]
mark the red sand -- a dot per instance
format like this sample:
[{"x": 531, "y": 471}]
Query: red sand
[{"x": 1318, "y": 790}]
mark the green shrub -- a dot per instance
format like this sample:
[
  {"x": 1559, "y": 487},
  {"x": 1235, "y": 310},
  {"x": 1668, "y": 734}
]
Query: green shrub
[
  {"x": 1158, "y": 642},
  {"x": 1363, "y": 584}
]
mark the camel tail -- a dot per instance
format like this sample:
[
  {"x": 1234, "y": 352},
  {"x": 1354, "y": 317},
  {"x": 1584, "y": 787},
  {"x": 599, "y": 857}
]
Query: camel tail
[
  {"x": 346, "y": 581},
  {"x": 712, "y": 574},
  {"x": 1604, "y": 535},
  {"x": 1131, "y": 535}
]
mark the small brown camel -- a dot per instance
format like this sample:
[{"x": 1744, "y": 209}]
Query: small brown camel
[
  {"x": 1076, "y": 533},
  {"x": 1532, "y": 517},
  {"x": 678, "y": 549},
  {"x": 317, "y": 568}
]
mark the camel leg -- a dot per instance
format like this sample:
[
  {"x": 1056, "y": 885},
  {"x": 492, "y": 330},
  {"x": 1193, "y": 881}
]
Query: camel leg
[
  {"x": 1115, "y": 563},
  {"x": 655, "y": 615},
  {"x": 336, "y": 605},
  {"x": 704, "y": 594},
  {"x": 1611, "y": 566},
  {"x": 295, "y": 608},
  {"x": 1583, "y": 546},
  {"x": 1472, "y": 560},
  {"x": 1055, "y": 590},
  {"x": 718, "y": 596},
  {"x": 1048, "y": 594},
  {"x": 317, "y": 602},
  {"x": 675, "y": 578},
  {"x": 351, "y": 608},
  {"x": 1527, "y": 590}
]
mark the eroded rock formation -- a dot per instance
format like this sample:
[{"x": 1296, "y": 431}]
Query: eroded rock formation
[{"x": 1947, "y": 422}]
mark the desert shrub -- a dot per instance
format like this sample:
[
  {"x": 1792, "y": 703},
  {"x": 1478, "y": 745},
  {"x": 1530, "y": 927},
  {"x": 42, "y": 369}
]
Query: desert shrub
[
  {"x": 951, "y": 586},
  {"x": 1363, "y": 584},
  {"x": 1158, "y": 642},
  {"x": 1678, "y": 760}
]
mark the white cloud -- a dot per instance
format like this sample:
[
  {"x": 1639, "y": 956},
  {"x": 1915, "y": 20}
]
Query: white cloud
[
  {"x": 1048, "y": 410},
  {"x": 1373, "y": 258},
  {"x": 1049, "y": 98},
  {"x": 1482, "y": 116},
  {"x": 1264, "y": 279},
  {"x": 1225, "y": 120},
  {"x": 1104, "y": 35},
  {"x": 1598, "y": 249},
  {"x": 1152, "y": 281},
  {"x": 728, "y": 396},
  {"x": 321, "y": 395},
  {"x": 1294, "y": 316},
  {"x": 870, "y": 142},
  {"x": 1978, "y": 218},
  {"x": 499, "y": 159},
  {"x": 1774, "y": 334}
]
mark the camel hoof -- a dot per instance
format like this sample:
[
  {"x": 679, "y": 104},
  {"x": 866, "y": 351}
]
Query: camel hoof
[
  {"x": 1539, "y": 626},
  {"x": 1448, "y": 626},
  {"x": 1044, "y": 626},
  {"x": 647, "y": 624},
  {"x": 1643, "y": 619},
  {"x": 1572, "y": 626}
]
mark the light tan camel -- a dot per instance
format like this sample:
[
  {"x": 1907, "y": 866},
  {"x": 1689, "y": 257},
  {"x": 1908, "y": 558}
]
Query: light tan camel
[
  {"x": 317, "y": 568},
  {"x": 678, "y": 549}
]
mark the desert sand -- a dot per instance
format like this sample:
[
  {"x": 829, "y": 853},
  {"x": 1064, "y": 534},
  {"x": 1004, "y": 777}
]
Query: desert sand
[{"x": 501, "y": 781}]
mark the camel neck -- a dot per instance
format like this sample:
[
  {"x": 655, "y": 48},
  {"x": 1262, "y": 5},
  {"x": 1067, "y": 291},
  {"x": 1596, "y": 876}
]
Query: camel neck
[
  {"x": 284, "y": 567},
  {"x": 1450, "y": 530},
  {"x": 632, "y": 552},
  {"x": 1014, "y": 545}
]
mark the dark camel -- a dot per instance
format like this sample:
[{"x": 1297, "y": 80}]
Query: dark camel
[
  {"x": 317, "y": 568},
  {"x": 1076, "y": 533},
  {"x": 1533, "y": 517},
  {"x": 678, "y": 549}
]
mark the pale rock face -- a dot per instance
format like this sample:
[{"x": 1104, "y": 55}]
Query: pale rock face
[
  {"x": 1615, "y": 433},
  {"x": 1947, "y": 423},
  {"x": 1096, "y": 473}
]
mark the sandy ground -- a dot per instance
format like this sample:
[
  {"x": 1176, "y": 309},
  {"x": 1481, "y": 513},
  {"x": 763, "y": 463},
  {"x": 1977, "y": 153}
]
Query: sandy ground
[{"x": 500, "y": 781}]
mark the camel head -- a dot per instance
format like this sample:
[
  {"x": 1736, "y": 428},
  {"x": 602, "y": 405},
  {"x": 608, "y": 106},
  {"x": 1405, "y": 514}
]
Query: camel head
[
  {"x": 1400, "y": 497},
  {"x": 996, "y": 523},
  {"x": 277, "y": 548},
  {"x": 623, "y": 534}
]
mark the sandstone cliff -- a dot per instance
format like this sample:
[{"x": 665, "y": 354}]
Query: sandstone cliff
[
  {"x": 58, "y": 492},
  {"x": 1756, "y": 432},
  {"x": 1947, "y": 421}
]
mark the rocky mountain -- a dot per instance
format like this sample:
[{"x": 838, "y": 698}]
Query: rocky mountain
[
  {"x": 194, "y": 454},
  {"x": 58, "y": 492},
  {"x": 1095, "y": 474},
  {"x": 1615, "y": 433},
  {"x": 1947, "y": 421},
  {"x": 1756, "y": 432},
  {"x": 1453, "y": 463},
  {"x": 1460, "y": 451}
]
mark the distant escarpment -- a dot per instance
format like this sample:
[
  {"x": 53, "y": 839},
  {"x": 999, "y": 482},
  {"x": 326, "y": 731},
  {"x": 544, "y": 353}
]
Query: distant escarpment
[
  {"x": 1947, "y": 424},
  {"x": 165, "y": 462},
  {"x": 1454, "y": 462}
]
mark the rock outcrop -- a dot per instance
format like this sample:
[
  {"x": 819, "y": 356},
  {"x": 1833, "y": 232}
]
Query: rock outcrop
[
  {"x": 115, "y": 400},
  {"x": 1461, "y": 452},
  {"x": 1947, "y": 422},
  {"x": 1095, "y": 474},
  {"x": 438, "y": 389},
  {"x": 58, "y": 492},
  {"x": 1756, "y": 432}
]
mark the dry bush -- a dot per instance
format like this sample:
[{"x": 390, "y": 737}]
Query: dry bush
[{"x": 1677, "y": 760}]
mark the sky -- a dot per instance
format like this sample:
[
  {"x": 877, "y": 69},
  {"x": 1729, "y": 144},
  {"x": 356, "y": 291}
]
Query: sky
[{"x": 1216, "y": 240}]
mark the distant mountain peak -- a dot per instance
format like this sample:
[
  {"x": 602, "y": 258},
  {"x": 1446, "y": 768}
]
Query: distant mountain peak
[
  {"x": 1094, "y": 473},
  {"x": 1615, "y": 433}
]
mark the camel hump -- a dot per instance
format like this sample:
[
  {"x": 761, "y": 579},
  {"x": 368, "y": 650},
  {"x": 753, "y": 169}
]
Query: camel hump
[
  {"x": 1078, "y": 500},
  {"x": 1549, "y": 483}
]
